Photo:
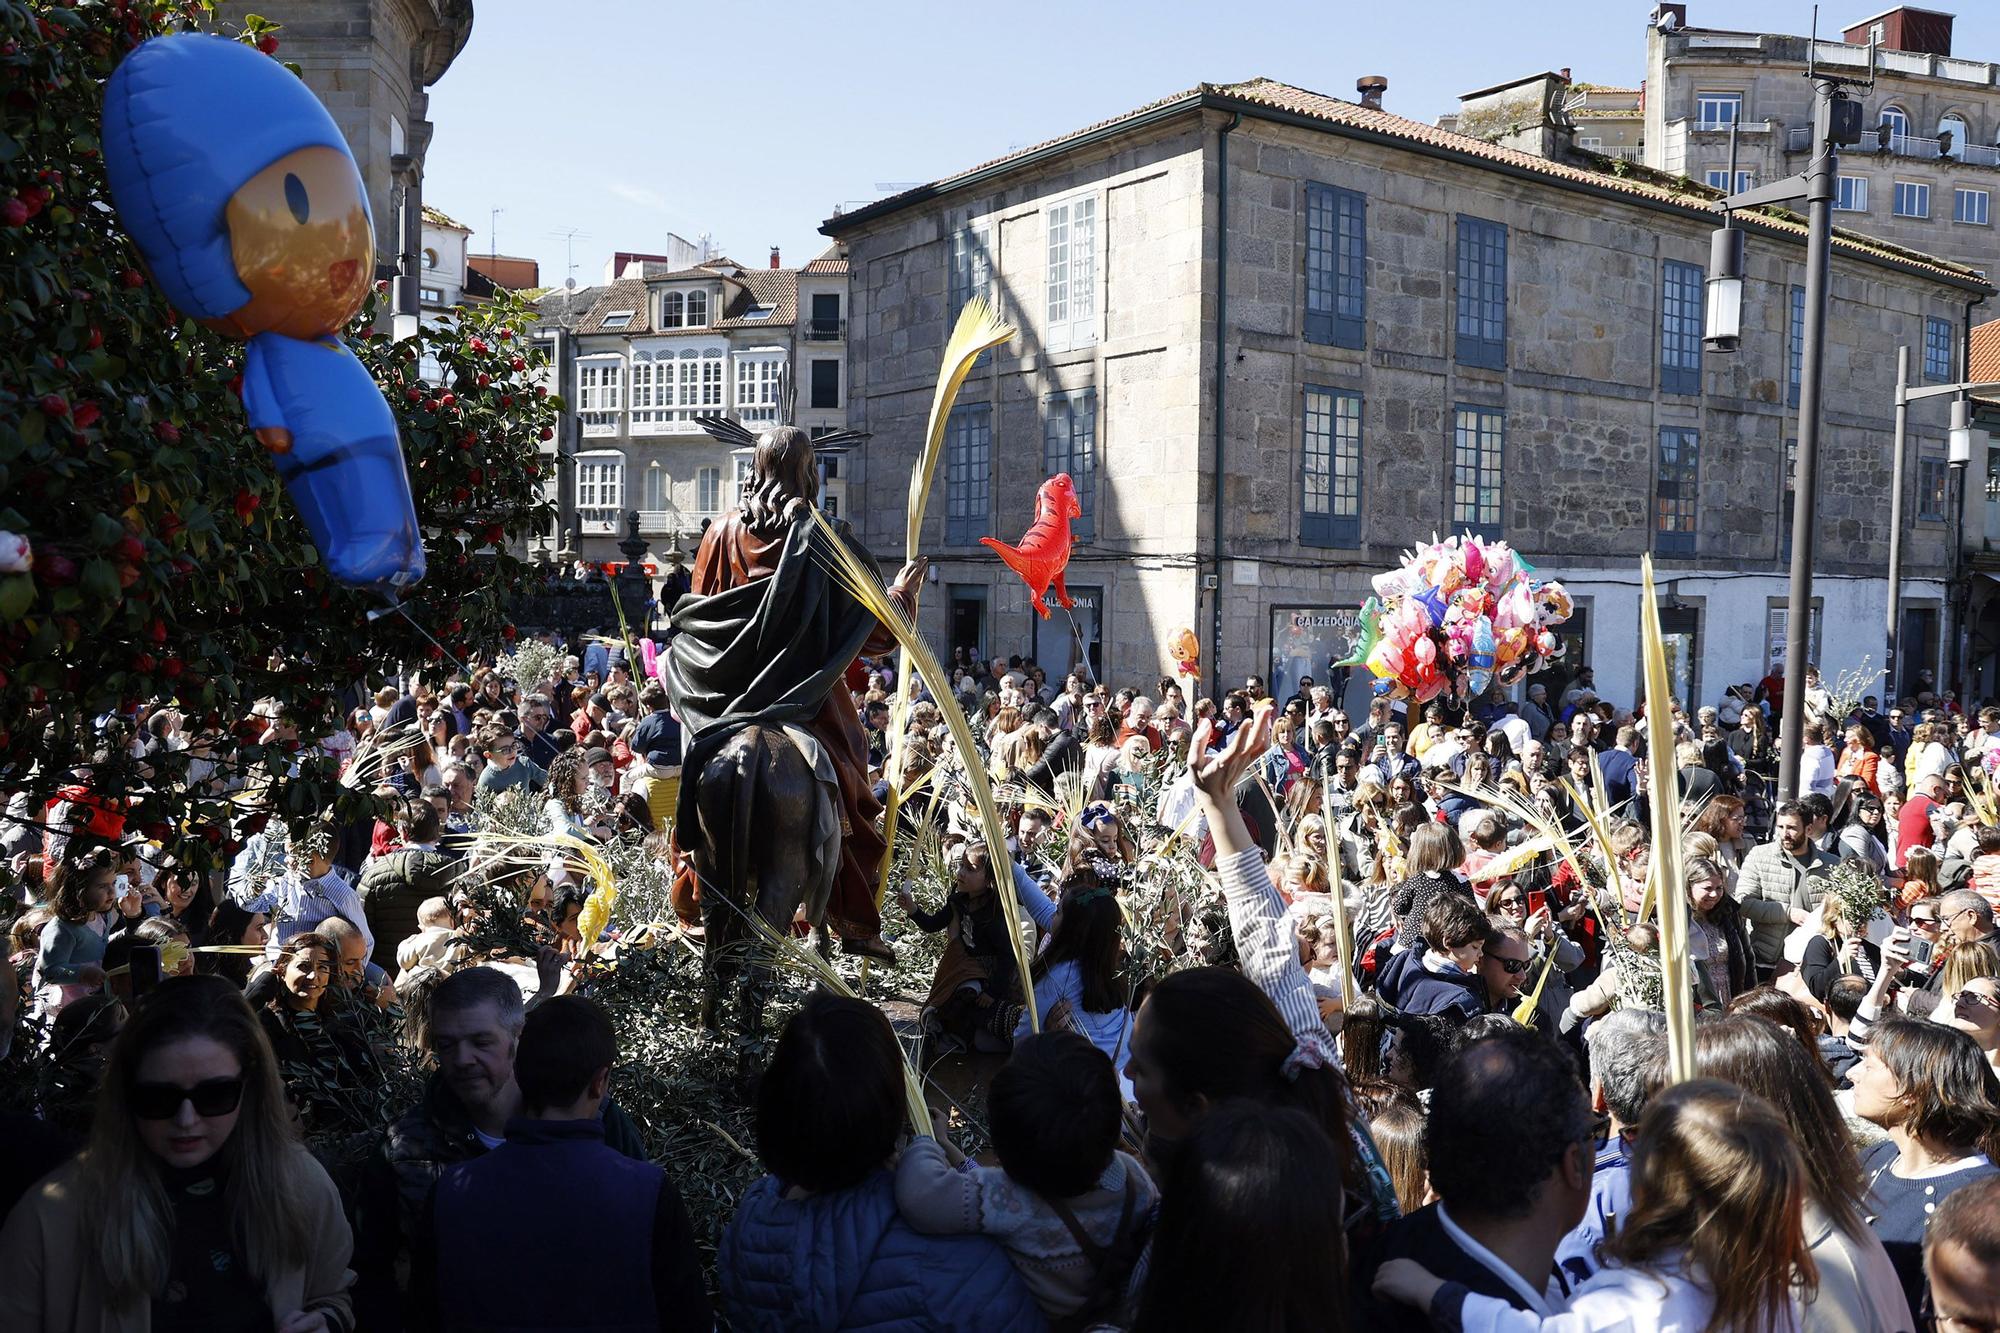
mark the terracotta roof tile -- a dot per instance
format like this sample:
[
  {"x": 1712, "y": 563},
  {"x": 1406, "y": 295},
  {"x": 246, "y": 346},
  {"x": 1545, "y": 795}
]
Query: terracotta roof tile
[
  {"x": 437, "y": 217},
  {"x": 1983, "y": 366},
  {"x": 1651, "y": 187}
]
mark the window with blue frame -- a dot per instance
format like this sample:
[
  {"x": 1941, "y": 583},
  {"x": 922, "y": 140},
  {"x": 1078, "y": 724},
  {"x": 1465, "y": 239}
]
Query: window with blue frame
[
  {"x": 1795, "y": 346},
  {"x": 1482, "y": 293},
  {"x": 1330, "y": 469},
  {"x": 968, "y": 473},
  {"x": 1069, "y": 444},
  {"x": 1676, "y": 497},
  {"x": 1477, "y": 452},
  {"x": 1937, "y": 351},
  {"x": 1336, "y": 259},
  {"x": 1680, "y": 327}
]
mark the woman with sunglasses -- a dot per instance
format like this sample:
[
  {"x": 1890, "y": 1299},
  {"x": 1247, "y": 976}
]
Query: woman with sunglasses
[
  {"x": 195, "y": 1206},
  {"x": 1975, "y": 1010}
]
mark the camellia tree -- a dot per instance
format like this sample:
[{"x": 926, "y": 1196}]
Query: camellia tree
[{"x": 147, "y": 550}]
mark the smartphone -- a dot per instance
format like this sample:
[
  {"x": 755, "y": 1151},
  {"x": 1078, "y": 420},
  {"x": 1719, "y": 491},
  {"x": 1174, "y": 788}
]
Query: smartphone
[
  {"x": 1921, "y": 951},
  {"x": 1537, "y": 900},
  {"x": 1125, "y": 791},
  {"x": 144, "y": 966}
]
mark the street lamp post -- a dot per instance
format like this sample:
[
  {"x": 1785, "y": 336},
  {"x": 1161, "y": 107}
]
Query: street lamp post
[
  {"x": 1959, "y": 456},
  {"x": 1836, "y": 121}
]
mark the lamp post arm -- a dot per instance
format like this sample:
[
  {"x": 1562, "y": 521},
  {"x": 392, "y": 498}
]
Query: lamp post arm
[
  {"x": 1949, "y": 390},
  {"x": 1790, "y": 190}
]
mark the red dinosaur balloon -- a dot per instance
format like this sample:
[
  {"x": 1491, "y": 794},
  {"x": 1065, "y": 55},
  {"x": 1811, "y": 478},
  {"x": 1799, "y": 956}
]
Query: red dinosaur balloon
[{"x": 1044, "y": 551}]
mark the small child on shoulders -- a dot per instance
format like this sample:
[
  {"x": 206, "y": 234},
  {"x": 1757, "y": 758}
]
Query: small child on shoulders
[{"x": 1071, "y": 1210}]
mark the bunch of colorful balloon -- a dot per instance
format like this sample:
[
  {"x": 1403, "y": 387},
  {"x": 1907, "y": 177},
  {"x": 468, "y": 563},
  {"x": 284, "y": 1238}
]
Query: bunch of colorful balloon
[{"x": 1456, "y": 616}]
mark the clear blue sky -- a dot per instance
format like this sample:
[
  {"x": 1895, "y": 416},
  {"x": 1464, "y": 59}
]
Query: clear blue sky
[{"x": 626, "y": 119}]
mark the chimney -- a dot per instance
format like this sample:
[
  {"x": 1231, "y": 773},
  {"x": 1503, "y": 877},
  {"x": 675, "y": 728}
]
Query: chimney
[
  {"x": 774, "y": 257},
  {"x": 1371, "y": 87}
]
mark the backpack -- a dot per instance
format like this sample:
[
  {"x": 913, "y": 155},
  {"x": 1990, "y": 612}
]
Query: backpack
[{"x": 1112, "y": 1264}]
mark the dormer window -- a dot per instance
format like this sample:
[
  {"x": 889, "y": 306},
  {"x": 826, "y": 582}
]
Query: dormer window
[
  {"x": 671, "y": 311},
  {"x": 697, "y": 310},
  {"x": 757, "y": 312},
  {"x": 617, "y": 319}
]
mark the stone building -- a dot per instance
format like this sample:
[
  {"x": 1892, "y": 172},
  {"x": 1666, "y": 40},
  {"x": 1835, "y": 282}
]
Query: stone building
[
  {"x": 639, "y": 358},
  {"x": 371, "y": 62},
  {"x": 1277, "y": 337},
  {"x": 446, "y": 276},
  {"x": 1927, "y": 170},
  {"x": 1549, "y": 115}
]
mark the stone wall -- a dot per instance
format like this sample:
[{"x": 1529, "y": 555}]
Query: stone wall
[{"x": 1581, "y": 393}]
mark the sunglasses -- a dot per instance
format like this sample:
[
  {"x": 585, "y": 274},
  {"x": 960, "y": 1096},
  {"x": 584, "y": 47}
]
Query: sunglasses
[
  {"x": 162, "y": 1101},
  {"x": 1513, "y": 967}
]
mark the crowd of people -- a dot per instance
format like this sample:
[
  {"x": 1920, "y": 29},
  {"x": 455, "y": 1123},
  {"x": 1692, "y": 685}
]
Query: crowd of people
[{"x": 1423, "y": 1082}]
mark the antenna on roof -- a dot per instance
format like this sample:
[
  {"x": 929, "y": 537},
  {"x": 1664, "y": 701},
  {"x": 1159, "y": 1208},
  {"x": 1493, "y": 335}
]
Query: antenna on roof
[
  {"x": 568, "y": 238},
  {"x": 896, "y": 187},
  {"x": 493, "y": 232}
]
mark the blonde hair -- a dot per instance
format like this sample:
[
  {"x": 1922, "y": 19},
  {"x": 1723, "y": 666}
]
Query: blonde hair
[
  {"x": 1719, "y": 1186},
  {"x": 1434, "y": 847},
  {"x": 128, "y": 1219},
  {"x": 1968, "y": 962}
]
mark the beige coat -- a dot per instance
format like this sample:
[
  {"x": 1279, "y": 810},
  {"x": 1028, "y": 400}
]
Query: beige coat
[
  {"x": 1858, "y": 1288},
  {"x": 47, "y": 1281}
]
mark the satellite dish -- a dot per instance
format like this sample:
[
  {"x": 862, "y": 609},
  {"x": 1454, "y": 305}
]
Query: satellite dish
[{"x": 569, "y": 284}]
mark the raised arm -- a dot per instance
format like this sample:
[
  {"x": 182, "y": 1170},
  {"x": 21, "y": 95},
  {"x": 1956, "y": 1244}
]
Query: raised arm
[
  {"x": 1033, "y": 900},
  {"x": 1269, "y": 954}
]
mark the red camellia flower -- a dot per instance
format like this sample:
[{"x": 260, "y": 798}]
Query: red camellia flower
[
  {"x": 167, "y": 432},
  {"x": 54, "y": 405},
  {"x": 246, "y": 504},
  {"x": 268, "y": 45},
  {"x": 130, "y": 549},
  {"x": 132, "y": 277},
  {"x": 86, "y": 415}
]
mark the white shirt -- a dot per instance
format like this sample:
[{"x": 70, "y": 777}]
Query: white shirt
[
  {"x": 1627, "y": 1300},
  {"x": 1547, "y": 1302},
  {"x": 1816, "y": 769}
]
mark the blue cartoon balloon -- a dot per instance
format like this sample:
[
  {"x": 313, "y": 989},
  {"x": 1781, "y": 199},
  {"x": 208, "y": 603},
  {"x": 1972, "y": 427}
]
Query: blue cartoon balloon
[{"x": 249, "y": 212}]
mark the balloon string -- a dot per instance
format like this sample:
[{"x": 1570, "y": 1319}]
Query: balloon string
[
  {"x": 403, "y": 609},
  {"x": 1083, "y": 653}
]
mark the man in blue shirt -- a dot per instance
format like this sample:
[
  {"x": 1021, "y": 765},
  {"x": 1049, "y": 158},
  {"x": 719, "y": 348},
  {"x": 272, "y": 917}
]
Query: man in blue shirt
[
  {"x": 1624, "y": 1045},
  {"x": 1618, "y": 765}
]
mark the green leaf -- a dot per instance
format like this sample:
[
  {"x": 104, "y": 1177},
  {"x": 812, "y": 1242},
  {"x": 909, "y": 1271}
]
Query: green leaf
[
  {"x": 100, "y": 582},
  {"x": 34, "y": 428},
  {"x": 17, "y": 594}
]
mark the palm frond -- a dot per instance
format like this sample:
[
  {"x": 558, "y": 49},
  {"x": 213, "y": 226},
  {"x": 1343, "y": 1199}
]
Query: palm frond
[
  {"x": 865, "y": 586},
  {"x": 1676, "y": 993},
  {"x": 979, "y": 328}
]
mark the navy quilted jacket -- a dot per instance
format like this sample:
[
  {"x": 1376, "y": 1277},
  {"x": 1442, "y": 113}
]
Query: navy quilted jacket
[{"x": 847, "y": 1260}]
